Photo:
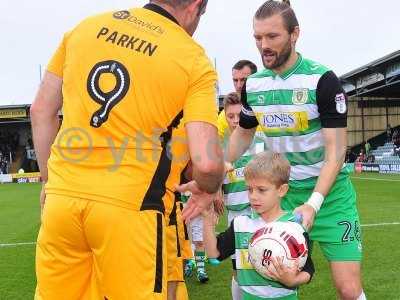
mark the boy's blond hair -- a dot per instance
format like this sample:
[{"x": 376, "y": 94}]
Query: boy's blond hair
[
  {"x": 268, "y": 165},
  {"x": 231, "y": 99}
]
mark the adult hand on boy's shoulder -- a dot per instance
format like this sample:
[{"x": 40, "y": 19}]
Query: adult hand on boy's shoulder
[{"x": 308, "y": 215}]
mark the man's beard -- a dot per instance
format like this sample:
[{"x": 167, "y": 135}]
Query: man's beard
[{"x": 281, "y": 58}]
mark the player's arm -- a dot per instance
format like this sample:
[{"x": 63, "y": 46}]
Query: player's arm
[
  {"x": 335, "y": 153},
  {"x": 206, "y": 155},
  {"x": 200, "y": 115},
  {"x": 44, "y": 117},
  {"x": 332, "y": 106},
  {"x": 45, "y": 122},
  {"x": 242, "y": 137},
  {"x": 44, "y": 111}
]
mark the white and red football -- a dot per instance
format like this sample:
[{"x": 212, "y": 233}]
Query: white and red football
[{"x": 277, "y": 239}]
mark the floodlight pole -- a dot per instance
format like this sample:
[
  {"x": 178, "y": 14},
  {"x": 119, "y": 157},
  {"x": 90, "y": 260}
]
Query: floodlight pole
[{"x": 40, "y": 73}]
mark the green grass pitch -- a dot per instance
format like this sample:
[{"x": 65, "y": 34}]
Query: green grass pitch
[{"x": 378, "y": 203}]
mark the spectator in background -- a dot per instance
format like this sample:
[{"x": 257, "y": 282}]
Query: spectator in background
[
  {"x": 240, "y": 71},
  {"x": 350, "y": 156},
  {"x": 361, "y": 157},
  {"x": 367, "y": 147},
  {"x": 3, "y": 165},
  {"x": 371, "y": 159},
  {"x": 7, "y": 146},
  {"x": 396, "y": 135}
]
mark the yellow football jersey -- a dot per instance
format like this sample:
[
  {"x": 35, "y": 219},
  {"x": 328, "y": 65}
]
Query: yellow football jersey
[
  {"x": 128, "y": 77},
  {"x": 223, "y": 126}
]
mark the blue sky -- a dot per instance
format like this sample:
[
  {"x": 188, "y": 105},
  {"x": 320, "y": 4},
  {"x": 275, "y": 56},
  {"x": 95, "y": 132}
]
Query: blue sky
[{"x": 340, "y": 34}]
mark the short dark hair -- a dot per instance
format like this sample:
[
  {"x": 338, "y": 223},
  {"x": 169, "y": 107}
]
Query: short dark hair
[
  {"x": 231, "y": 99},
  {"x": 272, "y": 8},
  {"x": 245, "y": 63}
]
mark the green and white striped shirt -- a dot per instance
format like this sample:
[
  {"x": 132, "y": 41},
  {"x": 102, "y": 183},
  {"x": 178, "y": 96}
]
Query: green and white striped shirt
[{"x": 292, "y": 108}]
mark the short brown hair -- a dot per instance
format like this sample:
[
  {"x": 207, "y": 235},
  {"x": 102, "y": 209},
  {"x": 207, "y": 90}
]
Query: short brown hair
[
  {"x": 269, "y": 165},
  {"x": 272, "y": 8},
  {"x": 231, "y": 99}
]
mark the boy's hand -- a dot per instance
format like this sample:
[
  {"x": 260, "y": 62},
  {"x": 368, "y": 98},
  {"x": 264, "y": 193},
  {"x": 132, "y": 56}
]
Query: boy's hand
[
  {"x": 283, "y": 274},
  {"x": 219, "y": 205},
  {"x": 210, "y": 217}
]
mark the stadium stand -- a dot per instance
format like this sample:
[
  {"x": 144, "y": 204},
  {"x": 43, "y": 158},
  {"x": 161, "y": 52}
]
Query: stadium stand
[
  {"x": 374, "y": 114},
  {"x": 8, "y": 148},
  {"x": 386, "y": 155},
  {"x": 15, "y": 137}
]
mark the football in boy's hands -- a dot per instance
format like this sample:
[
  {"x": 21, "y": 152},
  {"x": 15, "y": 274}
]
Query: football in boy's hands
[{"x": 277, "y": 239}]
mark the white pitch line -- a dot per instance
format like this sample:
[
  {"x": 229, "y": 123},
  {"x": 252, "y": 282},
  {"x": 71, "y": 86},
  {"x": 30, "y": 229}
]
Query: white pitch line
[
  {"x": 380, "y": 224},
  {"x": 17, "y": 244},
  {"x": 34, "y": 243},
  {"x": 376, "y": 179}
]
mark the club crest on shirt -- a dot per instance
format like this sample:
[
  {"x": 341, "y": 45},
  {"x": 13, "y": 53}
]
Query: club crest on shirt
[
  {"x": 236, "y": 175},
  {"x": 300, "y": 96},
  {"x": 341, "y": 106}
]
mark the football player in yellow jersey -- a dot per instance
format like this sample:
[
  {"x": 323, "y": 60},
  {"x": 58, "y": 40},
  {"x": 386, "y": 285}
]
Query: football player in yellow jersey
[
  {"x": 240, "y": 71},
  {"x": 123, "y": 80}
]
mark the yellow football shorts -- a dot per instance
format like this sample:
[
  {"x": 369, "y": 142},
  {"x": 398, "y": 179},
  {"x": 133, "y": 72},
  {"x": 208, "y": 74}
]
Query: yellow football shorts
[
  {"x": 175, "y": 243},
  {"x": 174, "y": 256},
  {"x": 92, "y": 250}
]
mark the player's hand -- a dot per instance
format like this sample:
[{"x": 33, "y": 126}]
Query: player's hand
[
  {"x": 219, "y": 205},
  {"x": 283, "y": 274},
  {"x": 198, "y": 201},
  {"x": 308, "y": 215}
]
